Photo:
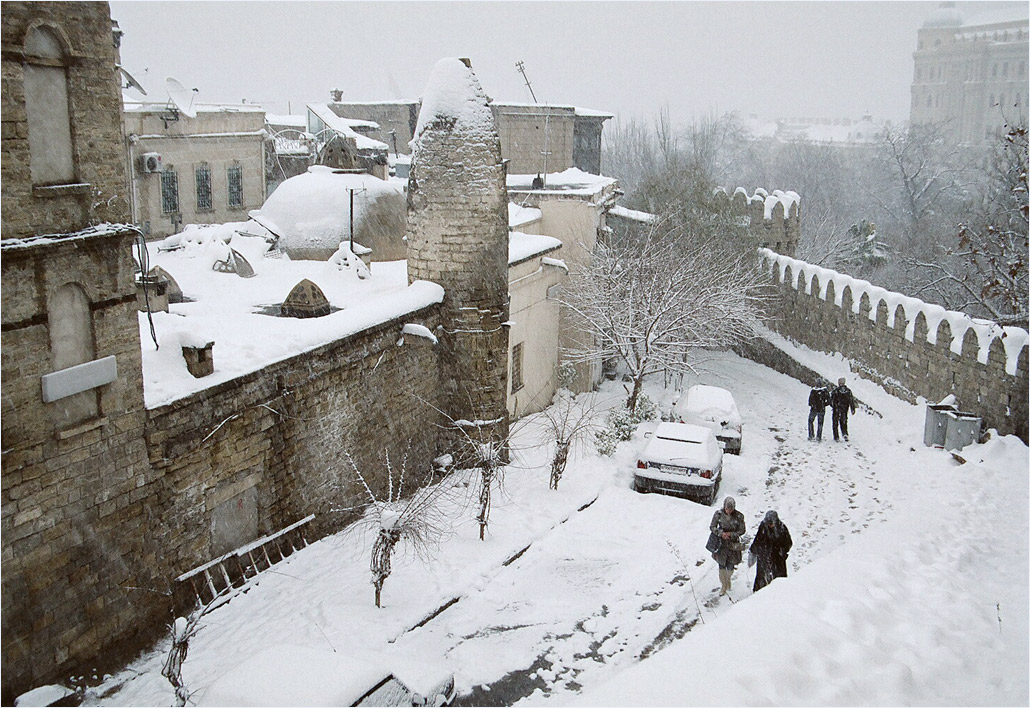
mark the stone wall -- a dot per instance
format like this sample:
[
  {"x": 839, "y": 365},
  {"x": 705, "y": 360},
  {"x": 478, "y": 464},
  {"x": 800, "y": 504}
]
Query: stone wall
[
  {"x": 77, "y": 514},
  {"x": 98, "y": 521},
  {"x": 457, "y": 236},
  {"x": 903, "y": 344},
  {"x": 98, "y": 191}
]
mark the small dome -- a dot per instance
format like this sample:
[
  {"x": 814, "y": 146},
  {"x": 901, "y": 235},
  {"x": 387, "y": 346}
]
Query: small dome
[{"x": 946, "y": 15}]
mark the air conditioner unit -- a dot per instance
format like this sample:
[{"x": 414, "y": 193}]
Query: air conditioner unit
[{"x": 151, "y": 161}]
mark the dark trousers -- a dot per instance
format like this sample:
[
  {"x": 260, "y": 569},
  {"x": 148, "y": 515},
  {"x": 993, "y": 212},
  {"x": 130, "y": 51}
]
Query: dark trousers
[
  {"x": 813, "y": 414},
  {"x": 840, "y": 423}
]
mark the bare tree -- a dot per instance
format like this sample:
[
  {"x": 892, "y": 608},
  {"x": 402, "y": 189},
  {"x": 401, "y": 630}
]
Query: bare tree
[
  {"x": 569, "y": 419},
  {"x": 985, "y": 273},
  {"x": 415, "y": 518},
  {"x": 677, "y": 285}
]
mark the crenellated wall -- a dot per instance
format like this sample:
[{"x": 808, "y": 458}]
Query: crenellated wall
[
  {"x": 910, "y": 347},
  {"x": 773, "y": 218}
]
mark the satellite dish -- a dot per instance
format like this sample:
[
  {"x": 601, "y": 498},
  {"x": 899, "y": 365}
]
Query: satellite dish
[
  {"x": 130, "y": 81},
  {"x": 181, "y": 98}
]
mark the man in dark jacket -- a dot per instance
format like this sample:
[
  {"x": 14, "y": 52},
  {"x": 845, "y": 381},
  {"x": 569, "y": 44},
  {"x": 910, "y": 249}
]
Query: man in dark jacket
[
  {"x": 818, "y": 399},
  {"x": 842, "y": 402},
  {"x": 770, "y": 548},
  {"x": 728, "y": 525}
]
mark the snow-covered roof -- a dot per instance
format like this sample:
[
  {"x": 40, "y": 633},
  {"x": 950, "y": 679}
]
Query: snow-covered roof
[
  {"x": 571, "y": 181},
  {"x": 346, "y": 127},
  {"x": 633, "y": 215},
  {"x": 522, "y": 247},
  {"x": 160, "y": 106},
  {"x": 312, "y": 210},
  {"x": 1014, "y": 339},
  {"x": 520, "y": 215},
  {"x": 298, "y": 122},
  {"x": 1013, "y": 13},
  {"x": 576, "y": 110},
  {"x": 234, "y": 312}
]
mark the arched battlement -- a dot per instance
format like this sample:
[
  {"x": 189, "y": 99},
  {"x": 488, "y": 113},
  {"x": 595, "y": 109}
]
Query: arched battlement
[
  {"x": 845, "y": 300},
  {"x": 919, "y": 328},
  {"x": 829, "y": 292}
]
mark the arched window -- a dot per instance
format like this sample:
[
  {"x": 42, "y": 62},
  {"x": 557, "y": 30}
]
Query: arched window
[
  {"x": 47, "y": 110},
  {"x": 71, "y": 343}
]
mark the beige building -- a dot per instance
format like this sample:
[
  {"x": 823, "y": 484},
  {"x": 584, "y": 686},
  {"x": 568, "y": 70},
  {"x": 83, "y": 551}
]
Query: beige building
[
  {"x": 208, "y": 168},
  {"x": 535, "y": 138},
  {"x": 535, "y": 271},
  {"x": 971, "y": 74},
  {"x": 573, "y": 207}
]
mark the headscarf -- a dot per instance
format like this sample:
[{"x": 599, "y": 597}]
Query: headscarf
[
  {"x": 773, "y": 524},
  {"x": 730, "y": 503}
]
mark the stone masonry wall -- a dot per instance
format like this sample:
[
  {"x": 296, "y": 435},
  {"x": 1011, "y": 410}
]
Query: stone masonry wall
[
  {"x": 906, "y": 366},
  {"x": 76, "y": 499},
  {"x": 457, "y": 236},
  {"x": 100, "y": 192}
]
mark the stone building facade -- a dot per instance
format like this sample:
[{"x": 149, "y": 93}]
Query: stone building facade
[
  {"x": 208, "y": 168},
  {"x": 971, "y": 75},
  {"x": 58, "y": 75}
]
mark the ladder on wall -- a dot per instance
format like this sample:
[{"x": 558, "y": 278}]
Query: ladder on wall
[{"x": 229, "y": 573}]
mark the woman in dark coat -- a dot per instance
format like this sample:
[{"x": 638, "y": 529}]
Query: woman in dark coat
[
  {"x": 728, "y": 525},
  {"x": 771, "y": 545}
]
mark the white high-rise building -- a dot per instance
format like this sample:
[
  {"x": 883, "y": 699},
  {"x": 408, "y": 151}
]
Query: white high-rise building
[{"x": 971, "y": 74}]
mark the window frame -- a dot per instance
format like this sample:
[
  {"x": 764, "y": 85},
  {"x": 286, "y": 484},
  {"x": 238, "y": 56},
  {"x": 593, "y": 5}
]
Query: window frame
[
  {"x": 208, "y": 192},
  {"x": 169, "y": 177},
  {"x": 518, "y": 381},
  {"x": 229, "y": 189}
]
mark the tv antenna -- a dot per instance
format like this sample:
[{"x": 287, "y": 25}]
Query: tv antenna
[
  {"x": 521, "y": 68},
  {"x": 181, "y": 97}
]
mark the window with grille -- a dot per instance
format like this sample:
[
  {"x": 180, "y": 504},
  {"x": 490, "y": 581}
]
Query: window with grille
[
  {"x": 203, "y": 177},
  {"x": 169, "y": 192},
  {"x": 235, "y": 186},
  {"x": 516, "y": 368}
]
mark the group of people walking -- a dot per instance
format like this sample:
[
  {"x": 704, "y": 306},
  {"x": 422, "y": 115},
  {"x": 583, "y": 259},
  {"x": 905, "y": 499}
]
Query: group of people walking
[
  {"x": 772, "y": 541},
  {"x": 769, "y": 549},
  {"x": 841, "y": 402}
]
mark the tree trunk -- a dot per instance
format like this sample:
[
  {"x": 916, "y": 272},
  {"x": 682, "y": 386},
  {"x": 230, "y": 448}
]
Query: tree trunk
[{"x": 638, "y": 383}]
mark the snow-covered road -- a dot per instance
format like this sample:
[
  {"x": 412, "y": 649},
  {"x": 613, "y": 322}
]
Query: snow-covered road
[{"x": 908, "y": 577}]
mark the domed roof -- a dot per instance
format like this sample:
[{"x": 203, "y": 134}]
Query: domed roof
[{"x": 946, "y": 15}]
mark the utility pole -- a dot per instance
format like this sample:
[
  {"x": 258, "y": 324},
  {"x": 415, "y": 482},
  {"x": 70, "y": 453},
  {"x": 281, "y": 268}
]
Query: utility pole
[
  {"x": 351, "y": 191},
  {"x": 522, "y": 70}
]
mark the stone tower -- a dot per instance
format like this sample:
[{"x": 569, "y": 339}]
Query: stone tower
[{"x": 457, "y": 236}]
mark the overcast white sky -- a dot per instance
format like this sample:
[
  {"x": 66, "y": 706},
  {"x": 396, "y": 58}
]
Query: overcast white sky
[{"x": 774, "y": 59}]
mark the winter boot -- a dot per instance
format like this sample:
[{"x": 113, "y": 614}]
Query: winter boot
[{"x": 724, "y": 580}]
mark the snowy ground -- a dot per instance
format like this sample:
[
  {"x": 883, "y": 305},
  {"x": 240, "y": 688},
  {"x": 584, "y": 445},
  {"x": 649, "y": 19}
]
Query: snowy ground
[{"x": 909, "y": 577}]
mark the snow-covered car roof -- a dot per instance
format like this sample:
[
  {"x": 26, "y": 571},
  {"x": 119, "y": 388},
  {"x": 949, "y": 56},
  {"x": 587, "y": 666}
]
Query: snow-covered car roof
[
  {"x": 710, "y": 403},
  {"x": 683, "y": 444},
  {"x": 305, "y": 676}
]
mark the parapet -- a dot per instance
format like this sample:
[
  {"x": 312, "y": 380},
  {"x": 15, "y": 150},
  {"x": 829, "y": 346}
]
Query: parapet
[{"x": 773, "y": 218}]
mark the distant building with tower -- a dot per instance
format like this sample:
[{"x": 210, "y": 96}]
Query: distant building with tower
[{"x": 971, "y": 74}]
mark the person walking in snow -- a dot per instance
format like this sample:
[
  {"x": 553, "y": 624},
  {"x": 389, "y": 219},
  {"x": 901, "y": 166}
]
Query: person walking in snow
[
  {"x": 728, "y": 525},
  {"x": 842, "y": 402},
  {"x": 771, "y": 545},
  {"x": 818, "y": 399}
]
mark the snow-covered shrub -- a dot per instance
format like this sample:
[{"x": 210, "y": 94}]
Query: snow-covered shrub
[
  {"x": 621, "y": 423},
  {"x": 566, "y": 374}
]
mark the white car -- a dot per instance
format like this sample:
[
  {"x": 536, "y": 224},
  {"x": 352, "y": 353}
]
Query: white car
[
  {"x": 304, "y": 676},
  {"x": 712, "y": 407},
  {"x": 682, "y": 460}
]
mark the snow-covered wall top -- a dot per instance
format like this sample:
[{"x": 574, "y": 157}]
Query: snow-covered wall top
[
  {"x": 1014, "y": 339},
  {"x": 454, "y": 94},
  {"x": 788, "y": 202},
  {"x": 570, "y": 181},
  {"x": 633, "y": 215}
]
